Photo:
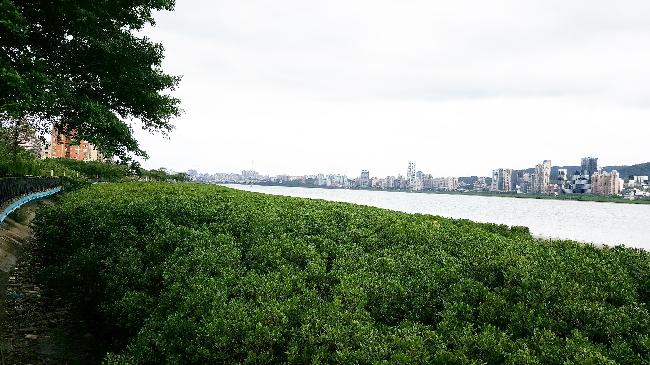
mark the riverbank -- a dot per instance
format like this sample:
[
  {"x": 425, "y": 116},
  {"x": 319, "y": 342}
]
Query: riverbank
[
  {"x": 189, "y": 273},
  {"x": 35, "y": 326},
  {"x": 565, "y": 197},
  {"x": 595, "y": 222}
]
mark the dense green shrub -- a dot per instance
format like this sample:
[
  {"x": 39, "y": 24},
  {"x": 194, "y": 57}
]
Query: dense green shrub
[
  {"x": 15, "y": 162},
  {"x": 90, "y": 169},
  {"x": 204, "y": 274}
]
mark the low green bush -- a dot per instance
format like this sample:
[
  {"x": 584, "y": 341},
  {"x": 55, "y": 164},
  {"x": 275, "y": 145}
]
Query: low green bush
[{"x": 196, "y": 274}]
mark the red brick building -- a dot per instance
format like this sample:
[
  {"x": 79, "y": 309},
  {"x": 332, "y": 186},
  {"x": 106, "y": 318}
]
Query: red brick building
[{"x": 64, "y": 146}]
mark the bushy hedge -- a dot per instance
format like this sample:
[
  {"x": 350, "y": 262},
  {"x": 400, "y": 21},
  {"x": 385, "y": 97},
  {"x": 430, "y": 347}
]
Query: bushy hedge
[
  {"x": 25, "y": 163},
  {"x": 106, "y": 171},
  {"x": 204, "y": 274},
  {"x": 15, "y": 163}
]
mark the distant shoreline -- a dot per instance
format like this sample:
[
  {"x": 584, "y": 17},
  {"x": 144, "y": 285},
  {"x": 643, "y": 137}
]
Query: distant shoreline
[{"x": 569, "y": 197}]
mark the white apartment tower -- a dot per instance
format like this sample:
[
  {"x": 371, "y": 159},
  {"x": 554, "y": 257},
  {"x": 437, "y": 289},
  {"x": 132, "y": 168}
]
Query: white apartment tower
[
  {"x": 542, "y": 180},
  {"x": 411, "y": 176},
  {"x": 364, "y": 179}
]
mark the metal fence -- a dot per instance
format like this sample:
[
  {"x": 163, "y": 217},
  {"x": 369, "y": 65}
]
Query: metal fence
[{"x": 14, "y": 187}]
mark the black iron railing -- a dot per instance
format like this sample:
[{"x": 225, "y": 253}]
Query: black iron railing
[{"x": 14, "y": 187}]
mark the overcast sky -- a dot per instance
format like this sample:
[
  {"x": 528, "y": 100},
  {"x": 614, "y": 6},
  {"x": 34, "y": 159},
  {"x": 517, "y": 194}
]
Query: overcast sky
[{"x": 460, "y": 87}]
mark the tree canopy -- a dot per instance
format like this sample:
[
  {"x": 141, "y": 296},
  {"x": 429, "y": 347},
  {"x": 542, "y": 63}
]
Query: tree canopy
[{"x": 80, "y": 65}]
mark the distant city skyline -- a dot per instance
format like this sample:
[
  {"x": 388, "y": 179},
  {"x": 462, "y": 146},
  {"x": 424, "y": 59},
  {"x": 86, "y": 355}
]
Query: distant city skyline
[
  {"x": 586, "y": 178},
  {"x": 405, "y": 168},
  {"x": 304, "y": 85}
]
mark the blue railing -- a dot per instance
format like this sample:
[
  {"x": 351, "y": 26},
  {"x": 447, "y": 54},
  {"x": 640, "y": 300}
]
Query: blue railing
[
  {"x": 14, "y": 187},
  {"x": 18, "y": 191}
]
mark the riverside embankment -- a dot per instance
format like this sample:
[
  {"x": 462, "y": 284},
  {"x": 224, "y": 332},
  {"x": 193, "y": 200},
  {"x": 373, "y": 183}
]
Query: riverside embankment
[
  {"x": 35, "y": 327},
  {"x": 17, "y": 294},
  {"x": 594, "y": 222},
  {"x": 185, "y": 273},
  {"x": 13, "y": 235},
  {"x": 17, "y": 210}
]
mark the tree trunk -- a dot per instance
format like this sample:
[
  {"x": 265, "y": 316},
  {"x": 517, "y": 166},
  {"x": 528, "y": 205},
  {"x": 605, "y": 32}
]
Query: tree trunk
[{"x": 15, "y": 143}]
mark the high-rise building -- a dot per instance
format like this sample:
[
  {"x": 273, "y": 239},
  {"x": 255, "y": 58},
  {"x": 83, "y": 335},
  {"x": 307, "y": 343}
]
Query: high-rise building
[
  {"x": 250, "y": 175},
  {"x": 321, "y": 180},
  {"x": 589, "y": 166},
  {"x": 337, "y": 181},
  {"x": 445, "y": 183},
  {"x": 502, "y": 180},
  {"x": 562, "y": 178},
  {"x": 364, "y": 179},
  {"x": 481, "y": 184},
  {"x": 518, "y": 180},
  {"x": 606, "y": 183},
  {"x": 542, "y": 180},
  {"x": 526, "y": 183},
  {"x": 495, "y": 180},
  {"x": 506, "y": 180},
  {"x": 411, "y": 176},
  {"x": 375, "y": 183},
  {"x": 419, "y": 182},
  {"x": 65, "y": 146},
  {"x": 390, "y": 182}
]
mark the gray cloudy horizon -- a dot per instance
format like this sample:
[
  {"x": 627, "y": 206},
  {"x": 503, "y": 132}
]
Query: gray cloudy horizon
[{"x": 304, "y": 87}]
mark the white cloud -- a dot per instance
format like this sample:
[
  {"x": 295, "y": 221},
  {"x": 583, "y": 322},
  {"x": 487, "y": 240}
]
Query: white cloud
[{"x": 460, "y": 87}]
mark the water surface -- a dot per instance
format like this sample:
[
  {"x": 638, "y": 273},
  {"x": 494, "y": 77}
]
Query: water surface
[{"x": 601, "y": 223}]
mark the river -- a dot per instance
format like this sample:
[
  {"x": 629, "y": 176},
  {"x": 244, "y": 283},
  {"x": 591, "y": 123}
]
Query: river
[{"x": 600, "y": 223}]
